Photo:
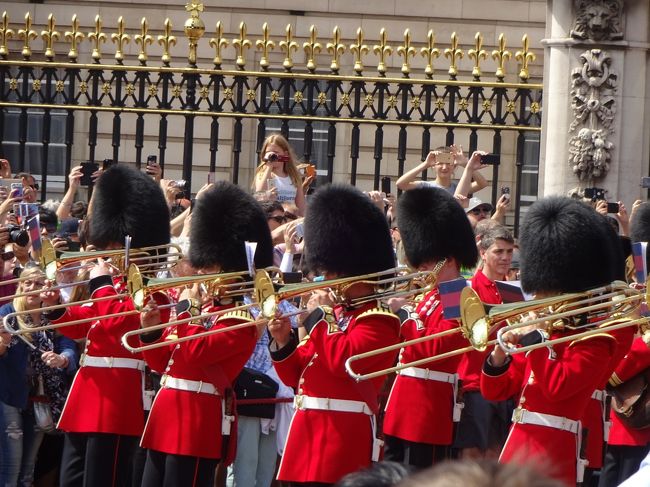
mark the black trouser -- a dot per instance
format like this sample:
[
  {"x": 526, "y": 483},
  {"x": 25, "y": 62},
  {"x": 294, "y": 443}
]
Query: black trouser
[
  {"x": 166, "y": 470},
  {"x": 620, "y": 463},
  {"x": 418, "y": 455},
  {"x": 97, "y": 460}
]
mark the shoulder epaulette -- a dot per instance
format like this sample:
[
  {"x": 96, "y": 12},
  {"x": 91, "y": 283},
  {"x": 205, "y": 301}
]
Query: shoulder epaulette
[
  {"x": 377, "y": 311},
  {"x": 595, "y": 335},
  {"x": 239, "y": 314}
]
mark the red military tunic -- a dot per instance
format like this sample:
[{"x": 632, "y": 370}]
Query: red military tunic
[
  {"x": 471, "y": 363},
  {"x": 103, "y": 399},
  {"x": 593, "y": 419},
  {"x": 421, "y": 410},
  {"x": 637, "y": 360},
  {"x": 189, "y": 423},
  {"x": 558, "y": 382},
  {"x": 325, "y": 445}
]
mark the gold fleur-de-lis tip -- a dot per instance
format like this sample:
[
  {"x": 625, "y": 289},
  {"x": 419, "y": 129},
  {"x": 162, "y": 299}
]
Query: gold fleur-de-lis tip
[
  {"x": 241, "y": 44},
  {"x": 5, "y": 34},
  {"x": 501, "y": 55},
  {"x": 120, "y": 39},
  {"x": 406, "y": 51},
  {"x": 167, "y": 40},
  {"x": 312, "y": 48},
  {"x": 382, "y": 50},
  {"x": 218, "y": 42},
  {"x": 27, "y": 35},
  {"x": 453, "y": 53},
  {"x": 359, "y": 49},
  {"x": 74, "y": 36},
  {"x": 50, "y": 36},
  {"x": 524, "y": 57},
  {"x": 97, "y": 38},
  {"x": 143, "y": 39},
  {"x": 288, "y": 45},
  {"x": 265, "y": 45},
  {"x": 335, "y": 48},
  {"x": 477, "y": 53},
  {"x": 430, "y": 52}
]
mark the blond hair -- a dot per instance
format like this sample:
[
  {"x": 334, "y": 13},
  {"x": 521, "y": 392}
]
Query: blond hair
[
  {"x": 20, "y": 302},
  {"x": 290, "y": 166}
]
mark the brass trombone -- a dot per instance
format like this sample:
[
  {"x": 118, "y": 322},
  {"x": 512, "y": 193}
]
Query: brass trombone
[
  {"x": 267, "y": 299},
  {"x": 565, "y": 311},
  {"x": 145, "y": 257}
]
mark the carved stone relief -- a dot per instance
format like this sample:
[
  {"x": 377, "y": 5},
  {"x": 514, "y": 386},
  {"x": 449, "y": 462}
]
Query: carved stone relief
[
  {"x": 594, "y": 107},
  {"x": 598, "y": 20}
]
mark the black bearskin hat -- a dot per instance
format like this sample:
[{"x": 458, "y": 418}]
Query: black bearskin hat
[
  {"x": 345, "y": 233},
  {"x": 433, "y": 227},
  {"x": 640, "y": 224},
  {"x": 566, "y": 246},
  {"x": 223, "y": 219},
  {"x": 126, "y": 201}
]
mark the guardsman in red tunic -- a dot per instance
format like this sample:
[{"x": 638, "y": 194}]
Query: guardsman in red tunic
[
  {"x": 103, "y": 417},
  {"x": 421, "y": 409},
  {"x": 333, "y": 432},
  {"x": 627, "y": 446},
  {"x": 565, "y": 247},
  {"x": 185, "y": 432},
  {"x": 484, "y": 425}
]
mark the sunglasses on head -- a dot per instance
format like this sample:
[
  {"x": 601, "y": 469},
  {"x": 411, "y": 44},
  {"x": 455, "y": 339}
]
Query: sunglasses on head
[
  {"x": 6, "y": 255},
  {"x": 278, "y": 219}
]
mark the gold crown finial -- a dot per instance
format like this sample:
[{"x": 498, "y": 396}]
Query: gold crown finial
[
  {"x": 74, "y": 36},
  {"x": 120, "y": 39},
  {"x": 312, "y": 47},
  {"x": 287, "y": 45},
  {"x": 50, "y": 36},
  {"x": 359, "y": 49},
  {"x": 335, "y": 48},
  {"x": 524, "y": 57},
  {"x": 167, "y": 40},
  {"x": 406, "y": 51},
  {"x": 27, "y": 35},
  {"x": 453, "y": 53},
  {"x": 194, "y": 8},
  {"x": 97, "y": 38},
  {"x": 143, "y": 39},
  {"x": 241, "y": 45},
  {"x": 382, "y": 50},
  {"x": 265, "y": 44},
  {"x": 430, "y": 52},
  {"x": 218, "y": 42},
  {"x": 477, "y": 53},
  {"x": 501, "y": 55}
]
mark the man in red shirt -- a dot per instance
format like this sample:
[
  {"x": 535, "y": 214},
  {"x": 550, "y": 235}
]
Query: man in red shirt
[{"x": 484, "y": 425}]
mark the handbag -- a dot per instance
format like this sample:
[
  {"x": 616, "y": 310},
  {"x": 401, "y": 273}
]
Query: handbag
[
  {"x": 42, "y": 410},
  {"x": 631, "y": 401},
  {"x": 251, "y": 384}
]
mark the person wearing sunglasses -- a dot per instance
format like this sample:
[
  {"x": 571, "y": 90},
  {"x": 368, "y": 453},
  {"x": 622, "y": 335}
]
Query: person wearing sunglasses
[
  {"x": 477, "y": 210},
  {"x": 277, "y": 173}
]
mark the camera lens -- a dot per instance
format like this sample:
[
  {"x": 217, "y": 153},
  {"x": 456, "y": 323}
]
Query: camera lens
[
  {"x": 17, "y": 235},
  {"x": 271, "y": 157}
]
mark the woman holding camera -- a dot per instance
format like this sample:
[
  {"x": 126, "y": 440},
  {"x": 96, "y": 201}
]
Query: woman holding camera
[
  {"x": 31, "y": 371},
  {"x": 278, "y": 174}
]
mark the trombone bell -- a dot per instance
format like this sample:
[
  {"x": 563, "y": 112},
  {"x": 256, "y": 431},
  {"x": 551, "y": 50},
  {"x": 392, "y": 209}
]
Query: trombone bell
[{"x": 473, "y": 316}]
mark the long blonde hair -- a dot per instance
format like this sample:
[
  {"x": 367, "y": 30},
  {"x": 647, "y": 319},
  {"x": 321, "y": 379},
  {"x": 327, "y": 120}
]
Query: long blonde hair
[
  {"x": 289, "y": 166},
  {"x": 20, "y": 303}
]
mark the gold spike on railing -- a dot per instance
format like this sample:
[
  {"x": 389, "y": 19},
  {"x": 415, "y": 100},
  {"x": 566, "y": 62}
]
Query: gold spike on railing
[
  {"x": 287, "y": 45},
  {"x": 312, "y": 48},
  {"x": 74, "y": 36},
  {"x": 218, "y": 42},
  {"x": 167, "y": 40},
  {"x": 477, "y": 53},
  {"x": 524, "y": 57},
  {"x": 143, "y": 39},
  {"x": 430, "y": 52},
  {"x": 241, "y": 45},
  {"x": 27, "y": 35},
  {"x": 406, "y": 51},
  {"x": 5, "y": 34},
  {"x": 501, "y": 55},
  {"x": 335, "y": 48},
  {"x": 120, "y": 39},
  {"x": 194, "y": 29},
  {"x": 359, "y": 49},
  {"x": 50, "y": 36},
  {"x": 265, "y": 44},
  {"x": 453, "y": 53},
  {"x": 97, "y": 38},
  {"x": 382, "y": 50}
]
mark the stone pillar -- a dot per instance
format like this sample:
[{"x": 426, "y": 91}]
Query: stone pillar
[{"x": 596, "y": 97}]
